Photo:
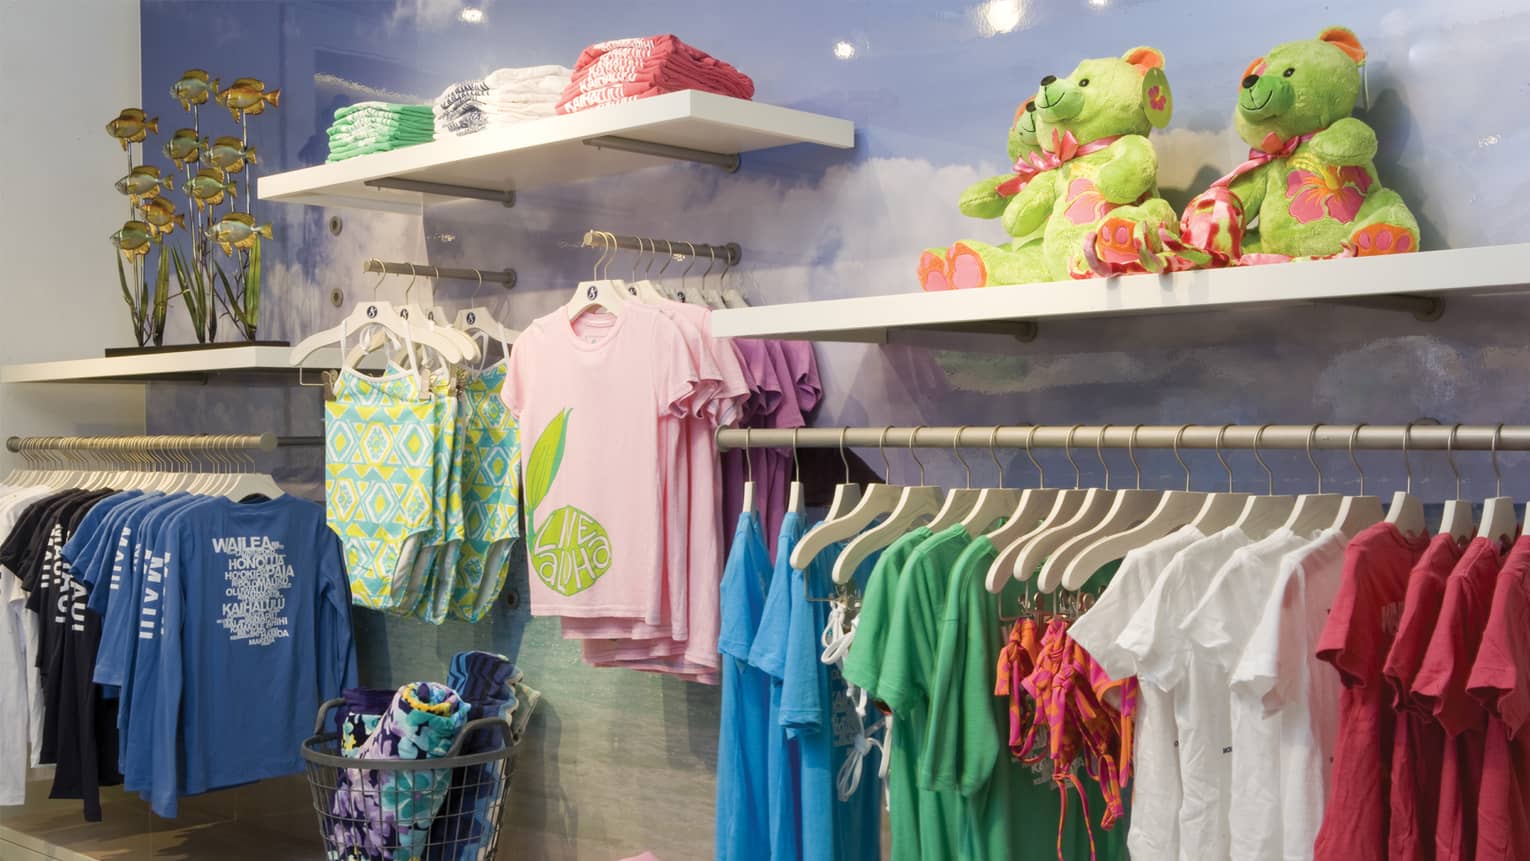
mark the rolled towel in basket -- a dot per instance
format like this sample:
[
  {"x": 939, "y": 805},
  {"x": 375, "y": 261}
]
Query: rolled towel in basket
[
  {"x": 386, "y": 815},
  {"x": 483, "y": 680}
]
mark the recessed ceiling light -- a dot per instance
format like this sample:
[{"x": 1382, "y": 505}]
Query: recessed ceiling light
[{"x": 1002, "y": 16}]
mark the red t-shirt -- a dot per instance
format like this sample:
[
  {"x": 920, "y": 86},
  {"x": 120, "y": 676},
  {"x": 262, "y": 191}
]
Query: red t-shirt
[
  {"x": 1500, "y": 679},
  {"x": 1356, "y": 640},
  {"x": 1441, "y": 687},
  {"x": 1418, "y": 742}
]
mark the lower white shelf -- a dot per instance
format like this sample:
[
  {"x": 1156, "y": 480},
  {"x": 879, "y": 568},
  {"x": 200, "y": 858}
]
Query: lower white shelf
[
  {"x": 1408, "y": 282},
  {"x": 181, "y": 365}
]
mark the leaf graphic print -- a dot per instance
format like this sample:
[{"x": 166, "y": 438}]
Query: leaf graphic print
[{"x": 542, "y": 465}]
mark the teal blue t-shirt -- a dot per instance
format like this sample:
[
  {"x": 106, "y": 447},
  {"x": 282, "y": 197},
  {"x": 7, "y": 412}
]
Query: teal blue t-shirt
[{"x": 742, "y": 746}]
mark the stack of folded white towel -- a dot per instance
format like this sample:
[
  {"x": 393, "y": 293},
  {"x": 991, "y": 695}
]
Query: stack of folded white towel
[{"x": 505, "y": 97}]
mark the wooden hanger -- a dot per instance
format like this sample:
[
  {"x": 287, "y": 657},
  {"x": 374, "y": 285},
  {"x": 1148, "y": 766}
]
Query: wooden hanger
[
  {"x": 1499, "y": 520},
  {"x": 993, "y": 503},
  {"x": 1094, "y": 507},
  {"x": 1221, "y": 509},
  {"x": 1262, "y": 515},
  {"x": 1456, "y": 521},
  {"x": 1175, "y": 509},
  {"x": 1358, "y": 512},
  {"x": 916, "y": 504},
  {"x": 878, "y": 500},
  {"x": 1313, "y": 511},
  {"x": 1032, "y": 510},
  {"x": 960, "y": 500},
  {"x": 1406, "y": 511}
]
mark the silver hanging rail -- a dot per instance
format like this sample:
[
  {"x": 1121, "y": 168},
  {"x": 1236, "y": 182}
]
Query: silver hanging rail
[
  {"x": 161, "y": 442},
  {"x": 1325, "y": 436},
  {"x": 728, "y": 254},
  {"x": 489, "y": 276}
]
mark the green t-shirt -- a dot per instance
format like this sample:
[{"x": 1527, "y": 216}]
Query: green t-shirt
[
  {"x": 863, "y": 663},
  {"x": 929, "y": 824}
]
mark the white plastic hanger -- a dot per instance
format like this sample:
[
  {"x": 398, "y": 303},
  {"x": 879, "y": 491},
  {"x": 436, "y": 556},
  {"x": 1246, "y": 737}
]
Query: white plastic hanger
[
  {"x": 1313, "y": 511},
  {"x": 916, "y": 504},
  {"x": 1456, "y": 521},
  {"x": 1128, "y": 509},
  {"x": 1175, "y": 509},
  {"x": 380, "y": 314},
  {"x": 479, "y": 320},
  {"x": 713, "y": 298},
  {"x": 1221, "y": 509},
  {"x": 1499, "y": 520},
  {"x": 252, "y": 484},
  {"x": 1096, "y": 504},
  {"x": 847, "y": 493},
  {"x": 643, "y": 289},
  {"x": 1360, "y": 511},
  {"x": 879, "y": 499},
  {"x": 993, "y": 503},
  {"x": 1264, "y": 514},
  {"x": 732, "y": 296},
  {"x": 1035, "y": 504},
  {"x": 959, "y": 500},
  {"x": 596, "y": 293},
  {"x": 1406, "y": 511},
  {"x": 794, "y": 495}
]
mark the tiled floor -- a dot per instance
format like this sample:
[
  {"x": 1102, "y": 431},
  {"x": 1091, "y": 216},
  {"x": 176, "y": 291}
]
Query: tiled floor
[{"x": 270, "y": 821}]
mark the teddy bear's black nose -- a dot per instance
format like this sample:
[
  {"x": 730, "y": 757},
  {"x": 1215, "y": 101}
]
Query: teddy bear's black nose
[
  {"x": 1250, "y": 81},
  {"x": 1048, "y": 79}
]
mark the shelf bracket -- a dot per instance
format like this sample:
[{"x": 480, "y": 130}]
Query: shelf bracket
[
  {"x": 725, "y": 161},
  {"x": 504, "y": 198},
  {"x": 1424, "y": 308},
  {"x": 1024, "y": 331}
]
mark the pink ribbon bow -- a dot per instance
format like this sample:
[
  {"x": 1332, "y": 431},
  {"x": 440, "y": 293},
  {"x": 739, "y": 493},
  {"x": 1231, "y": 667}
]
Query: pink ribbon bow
[
  {"x": 1065, "y": 148},
  {"x": 1269, "y": 149}
]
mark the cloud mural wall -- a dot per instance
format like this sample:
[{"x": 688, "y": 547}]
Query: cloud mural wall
[{"x": 931, "y": 87}]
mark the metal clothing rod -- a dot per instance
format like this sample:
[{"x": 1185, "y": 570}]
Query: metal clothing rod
[
  {"x": 489, "y": 276},
  {"x": 1326, "y": 436},
  {"x": 443, "y": 189},
  {"x": 730, "y": 253},
  {"x": 727, "y": 161},
  {"x": 161, "y": 442}
]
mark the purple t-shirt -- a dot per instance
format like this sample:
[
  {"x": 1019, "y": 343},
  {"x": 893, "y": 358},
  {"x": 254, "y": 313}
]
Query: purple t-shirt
[{"x": 784, "y": 378}]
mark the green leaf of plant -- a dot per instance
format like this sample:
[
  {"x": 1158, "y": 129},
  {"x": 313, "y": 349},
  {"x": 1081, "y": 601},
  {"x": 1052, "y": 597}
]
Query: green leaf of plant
[
  {"x": 252, "y": 293},
  {"x": 546, "y": 456},
  {"x": 161, "y": 293}
]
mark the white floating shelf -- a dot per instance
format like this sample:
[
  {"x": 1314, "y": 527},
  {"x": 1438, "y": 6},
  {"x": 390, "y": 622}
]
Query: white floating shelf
[
  {"x": 597, "y": 142},
  {"x": 184, "y": 365},
  {"x": 1407, "y": 282}
]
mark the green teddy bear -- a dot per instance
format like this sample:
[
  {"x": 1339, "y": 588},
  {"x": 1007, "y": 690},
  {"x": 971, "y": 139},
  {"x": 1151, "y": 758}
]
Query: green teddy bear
[
  {"x": 1309, "y": 188},
  {"x": 969, "y": 262}
]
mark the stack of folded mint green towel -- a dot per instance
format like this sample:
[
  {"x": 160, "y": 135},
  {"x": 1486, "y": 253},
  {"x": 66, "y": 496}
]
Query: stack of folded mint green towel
[{"x": 367, "y": 127}]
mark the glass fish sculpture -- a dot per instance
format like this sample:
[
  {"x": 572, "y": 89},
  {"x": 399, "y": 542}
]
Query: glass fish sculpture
[
  {"x": 194, "y": 88},
  {"x": 247, "y": 96},
  {"x": 143, "y": 182},
  {"x": 132, "y": 126},
  {"x": 229, "y": 154},
  {"x": 209, "y": 186},
  {"x": 183, "y": 148},
  {"x": 238, "y": 230},
  {"x": 160, "y": 213},
  {"x": 134, "y": 238}
]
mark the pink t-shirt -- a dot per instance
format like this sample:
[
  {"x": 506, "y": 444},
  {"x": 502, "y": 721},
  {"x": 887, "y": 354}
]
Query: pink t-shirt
[
  {"x": 1441, "y": 687},
  {"x": 1418, "y": 743},
  {"x": 1500, "y": 680},
  {"x": 1356, "y": 640},
  {"x": 592, "y": 399}
]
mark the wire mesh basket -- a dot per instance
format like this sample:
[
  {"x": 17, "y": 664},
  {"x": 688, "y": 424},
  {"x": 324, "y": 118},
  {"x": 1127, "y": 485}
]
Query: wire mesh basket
[{"x": 443, "y": 809}]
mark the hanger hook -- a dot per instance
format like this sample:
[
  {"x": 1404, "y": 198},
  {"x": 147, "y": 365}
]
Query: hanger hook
[
  {"x": 1178, "y": 437},
  {"x": 637, "y": 258},
  {"x": 1450, "y": 456},
  {"x": 1497, "y": 475},
  {"x": 993, "y": 452},
  {"x": 653, "y": 254},
  {"x": 1030, "y": 437},
  {"x": 748, "y": 457},
  {"x": 956, "y": 449},
  {"x": 1407, "y": 461},
  {"x": 382, "y": 275},
  {"x": 413, "y": 277},
  {"x": 1131, "y": 453},
  {"x": 1078, "y": 476},
  {"x": 669, "y": 257},
  {"x": 1099, "y": 452},
  {"x": 796, "y": 461},
  {"x": 1269, "y": 474},
  {"x": 479, "y": 288},
  {"x": 1312, "y": 459},
  {"x": 711, "y": 261},
  {"x": 1354, "y": 435},
  {"x": 690, "y": 264},
  {"x": 843, "y": 457},
  {"x": 882, "y": 447},
  {"x": 913, "y": 436},
  {"x": 1222, "y": 434}
]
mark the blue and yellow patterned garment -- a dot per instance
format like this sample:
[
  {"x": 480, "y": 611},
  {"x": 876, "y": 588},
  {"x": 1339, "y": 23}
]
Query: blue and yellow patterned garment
[
  {"x": 386, "y": 815},
  {"x": 490, "y": 493},
  {"x": 379, "y": 472},
  {"x": 434, "y": 567}
]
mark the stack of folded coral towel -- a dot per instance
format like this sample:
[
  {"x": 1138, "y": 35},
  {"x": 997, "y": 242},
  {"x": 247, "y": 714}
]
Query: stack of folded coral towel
[
  {"x": 623, "y": 70},
  {"x": 505, "y": 97},
  {"x": 367, "y": 127}
]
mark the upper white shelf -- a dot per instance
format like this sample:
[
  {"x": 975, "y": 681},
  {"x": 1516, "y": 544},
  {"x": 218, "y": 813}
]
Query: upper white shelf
[
  {"x": 690, "y": 125},
  {"x": 181, "y": 365},
  {"x": 1409, "y": 282}
]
